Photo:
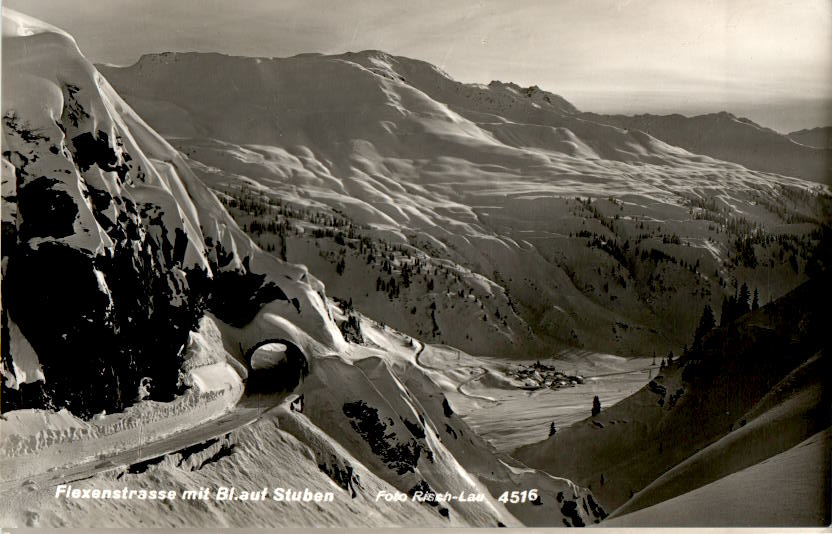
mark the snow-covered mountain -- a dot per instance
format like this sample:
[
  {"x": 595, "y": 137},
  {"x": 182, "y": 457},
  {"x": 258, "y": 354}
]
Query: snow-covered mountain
[
  {"x": 724, "y": 136},
  {"x": 148, "y": 341},
  {"x": 813, "y": 137},
  {"x": 552, "y": 229}
]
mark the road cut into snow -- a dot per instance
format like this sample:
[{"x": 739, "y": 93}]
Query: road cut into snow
[{"x": 36, "y": 441}]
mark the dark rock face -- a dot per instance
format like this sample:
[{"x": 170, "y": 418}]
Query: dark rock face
[
  {"x": 343, "y": 475},
  {"x": 570, "y": 511},
  {"x": 187, "y": 452},
  {"x": 97, "y": 322},
  {"x": 596, "y": 509},
  {"x": 114, "y": 310},
  {"x": 225, "y": 450},
  {"x": 46, "y": 212},
  {"x": 416, "y": 429},
  {"x": 238, "y": 296},
  {"x": 88, "y": 343},
  {"x": 446, "y": 408},
  {"x": 401, "y": 457},
  {"x": 659, "y": 390},
  {"x": 92, "y": 150},
  {"x": 141, "y": 467}
]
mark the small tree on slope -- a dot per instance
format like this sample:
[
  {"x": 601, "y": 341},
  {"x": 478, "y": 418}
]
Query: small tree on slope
[
  {"x": 596, "y": 406},
  {"x": 743, "y": 300}
]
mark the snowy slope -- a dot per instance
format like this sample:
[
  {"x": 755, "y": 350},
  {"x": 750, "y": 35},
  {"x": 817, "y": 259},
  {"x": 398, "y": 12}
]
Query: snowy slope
[
  {"x": 486, "y": 177},
  {"x": 386, "y": 408},
  {"x": 785, "y": 417},
  {"x": 367, "y": 420},
  {"x": 790, "y": 489},
  {"x": 758, "y": 387}
]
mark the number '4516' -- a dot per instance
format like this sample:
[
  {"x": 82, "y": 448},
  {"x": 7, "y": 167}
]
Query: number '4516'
[{"x": 515, "y": 497}]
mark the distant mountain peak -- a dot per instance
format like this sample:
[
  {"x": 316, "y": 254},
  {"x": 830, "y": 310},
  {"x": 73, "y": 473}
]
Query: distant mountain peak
[{"x": 820, "y": 137}]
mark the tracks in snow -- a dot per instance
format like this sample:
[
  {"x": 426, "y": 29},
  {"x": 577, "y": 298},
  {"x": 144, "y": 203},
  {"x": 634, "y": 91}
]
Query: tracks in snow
[{"x": 461, "y": 384}]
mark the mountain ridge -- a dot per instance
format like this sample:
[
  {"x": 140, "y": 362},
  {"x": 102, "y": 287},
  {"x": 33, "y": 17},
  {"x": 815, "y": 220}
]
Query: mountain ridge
[
  {"x": 492, "y": 178},
  {"x": 664, "y": 127},
  {"x": 723, "y": 135},
  {"x": 820, "y": 137}
]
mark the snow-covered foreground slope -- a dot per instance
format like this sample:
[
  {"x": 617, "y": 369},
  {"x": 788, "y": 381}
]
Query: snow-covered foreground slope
[
  {"x": 584, "y": 234},
  {"x": 787, "y": 415},
  {"x": 790, "y": 489},
  {"x": 366, "y": 421}
]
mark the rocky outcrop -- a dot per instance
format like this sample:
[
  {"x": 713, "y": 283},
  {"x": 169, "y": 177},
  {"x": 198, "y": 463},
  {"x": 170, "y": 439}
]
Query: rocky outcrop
[{"x": 112, "y": 250}]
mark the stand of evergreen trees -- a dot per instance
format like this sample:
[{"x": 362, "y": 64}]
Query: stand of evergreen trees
[
  {"x": 733, "y": 307},
  {"x": 739, "y": 304}
]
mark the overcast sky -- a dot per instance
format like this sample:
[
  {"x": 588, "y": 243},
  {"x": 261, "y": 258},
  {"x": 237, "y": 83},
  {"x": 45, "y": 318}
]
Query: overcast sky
[{"x": 765, "y": 59}]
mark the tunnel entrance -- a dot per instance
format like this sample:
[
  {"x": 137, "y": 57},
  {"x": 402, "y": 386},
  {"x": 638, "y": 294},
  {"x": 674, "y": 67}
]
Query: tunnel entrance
[{"x": 275, "y": 365}]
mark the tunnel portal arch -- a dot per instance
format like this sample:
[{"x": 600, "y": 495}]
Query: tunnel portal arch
[{"x": 285, "y": 375}]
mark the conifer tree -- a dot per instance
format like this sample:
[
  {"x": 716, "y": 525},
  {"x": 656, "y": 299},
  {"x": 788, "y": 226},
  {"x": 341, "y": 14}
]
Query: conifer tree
[
  {"x": 706, "y": 323},
  {"x": 726, "y": 312},
  {"x": 743, "y": 300}
]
